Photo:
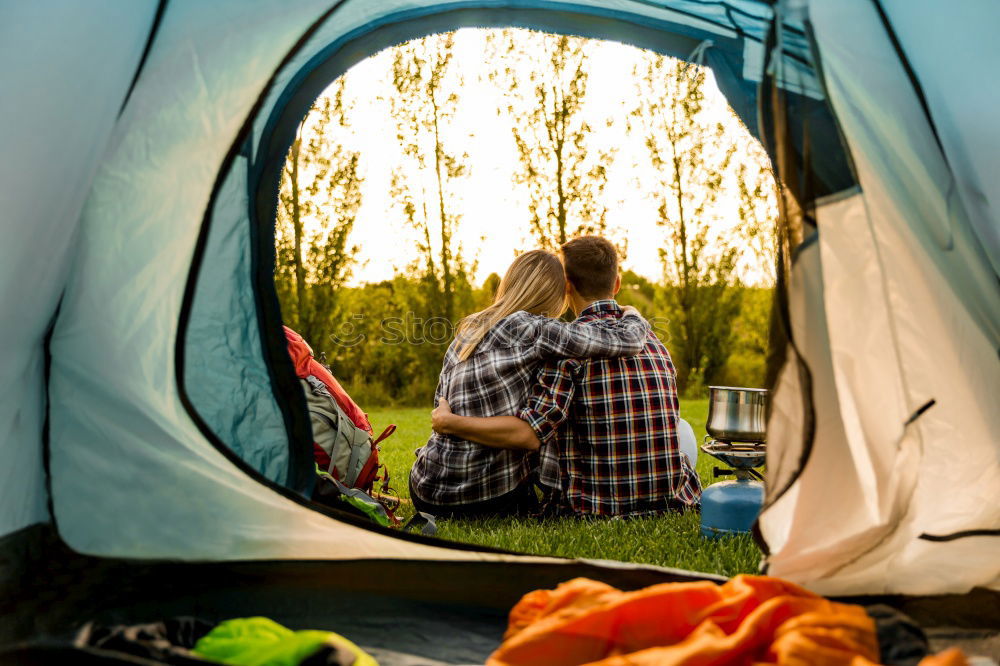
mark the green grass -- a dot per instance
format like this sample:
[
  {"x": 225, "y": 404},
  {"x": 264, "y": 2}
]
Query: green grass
[{"x": 670, "y": 540}]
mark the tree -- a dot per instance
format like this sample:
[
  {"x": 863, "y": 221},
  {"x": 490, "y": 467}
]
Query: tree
[
  {"x": 565, "y": 175},
  {"x": 488, "y": 291},
  {"x": 691, "y": 157},
  {"x": 319, "y": 198},
  {"x": 425, "y": 102},
  {"x": 746, "y": 365},
  {"x": 758, "y": 210}
]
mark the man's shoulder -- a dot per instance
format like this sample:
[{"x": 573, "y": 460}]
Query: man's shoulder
[{"x": 655, "y": 346}]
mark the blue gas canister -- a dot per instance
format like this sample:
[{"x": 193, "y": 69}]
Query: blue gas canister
[{"x": 730, "y": 507}]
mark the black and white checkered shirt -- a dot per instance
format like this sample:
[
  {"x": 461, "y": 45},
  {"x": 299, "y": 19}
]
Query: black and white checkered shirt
[{"x": 496, "y": 381}]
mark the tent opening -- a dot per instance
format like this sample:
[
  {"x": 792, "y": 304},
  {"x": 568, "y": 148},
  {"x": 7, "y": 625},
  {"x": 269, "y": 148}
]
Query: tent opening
[
  {"x": 238, "y": 383},
  {"x": 416, "y": 177}
]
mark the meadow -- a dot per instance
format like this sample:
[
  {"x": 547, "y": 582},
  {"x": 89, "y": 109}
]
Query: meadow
[{"x": 669, "y": 540}]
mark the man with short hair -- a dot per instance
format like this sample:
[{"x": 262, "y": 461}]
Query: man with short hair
[{"x": 607, "y": 427}]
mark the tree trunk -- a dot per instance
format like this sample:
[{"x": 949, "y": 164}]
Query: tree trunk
[
  {"x": 447, "y": 279},
  {"x": 300, "y": 272},
  {"x": 560, "y": 121},
  {"x": 686, "y": 301}
]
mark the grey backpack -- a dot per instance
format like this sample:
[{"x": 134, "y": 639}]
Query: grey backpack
[{"x": 353, "y": 454}]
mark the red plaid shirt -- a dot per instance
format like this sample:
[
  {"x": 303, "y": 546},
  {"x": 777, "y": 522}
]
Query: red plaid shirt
[
  {"x": 496, "y": 380},
  {"x": 608, "y": 427}
]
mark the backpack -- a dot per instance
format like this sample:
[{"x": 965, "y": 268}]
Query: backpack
[
  {"x": 341, "y": 448},
  {"x": 343, "y": 445}
]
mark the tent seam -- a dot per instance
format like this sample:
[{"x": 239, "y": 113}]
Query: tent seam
[{"x": 154, "y": 30}]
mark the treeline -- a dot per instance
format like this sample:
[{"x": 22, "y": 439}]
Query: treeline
[{"x": 386, "y": 340}]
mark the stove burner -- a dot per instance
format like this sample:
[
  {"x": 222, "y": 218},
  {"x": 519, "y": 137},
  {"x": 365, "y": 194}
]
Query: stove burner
[{"x": 742, "y": 458}]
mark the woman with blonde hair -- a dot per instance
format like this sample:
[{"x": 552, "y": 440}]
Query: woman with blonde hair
[{"x": 489, "y": 370}]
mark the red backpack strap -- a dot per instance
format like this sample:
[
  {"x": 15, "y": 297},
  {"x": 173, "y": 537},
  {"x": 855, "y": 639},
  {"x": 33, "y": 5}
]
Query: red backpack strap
[
  {"x": 389, "y": 429},
  {"x": 321, "y": 457},
  {"x": 368, "y": 474}
]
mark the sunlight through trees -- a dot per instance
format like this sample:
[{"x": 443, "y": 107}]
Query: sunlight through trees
[
  {"x": 319, "y": 199},
  {"x": 700, "y": 189}
]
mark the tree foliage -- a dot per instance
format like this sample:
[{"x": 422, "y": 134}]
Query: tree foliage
[
  {"x": 319, "y": 198},
  {"x": 425, "y": 101},
  {"x": 562, "y": 168},
  {"x": 692, "y": 157}
]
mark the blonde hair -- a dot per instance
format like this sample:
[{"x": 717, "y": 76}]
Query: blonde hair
[{"x": 535, "y": 282}]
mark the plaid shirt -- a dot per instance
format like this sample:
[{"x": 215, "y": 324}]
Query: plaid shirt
[
  {"x": 496, "y": 381},
  {"x": 618, "y": 454}
]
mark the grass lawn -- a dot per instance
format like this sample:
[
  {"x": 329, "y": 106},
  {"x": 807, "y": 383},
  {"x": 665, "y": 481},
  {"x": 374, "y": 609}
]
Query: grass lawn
[{"x": 670, "y": 541}]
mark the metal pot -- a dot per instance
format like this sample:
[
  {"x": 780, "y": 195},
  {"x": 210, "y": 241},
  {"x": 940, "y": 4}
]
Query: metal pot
[{"x": 737, "y": 414}]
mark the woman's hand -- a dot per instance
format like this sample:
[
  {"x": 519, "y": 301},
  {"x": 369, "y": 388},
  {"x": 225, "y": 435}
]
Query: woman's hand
[
  {"x": 629, "y": 310},
  {"x": 440, "y": 417},
  {"x": 498, "y": 432}
]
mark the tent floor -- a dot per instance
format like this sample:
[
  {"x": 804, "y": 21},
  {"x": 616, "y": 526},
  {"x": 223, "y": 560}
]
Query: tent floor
[
  {"x": 973, "y": 642},
  {"x": 404, "y": 612},
  {"x": 395, "y": 632}
]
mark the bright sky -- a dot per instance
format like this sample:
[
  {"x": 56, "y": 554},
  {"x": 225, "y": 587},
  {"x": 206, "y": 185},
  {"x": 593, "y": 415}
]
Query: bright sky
[{"x": 494, "y": 221}]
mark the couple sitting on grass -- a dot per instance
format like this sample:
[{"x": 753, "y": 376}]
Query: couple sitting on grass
[{"x": 587, "y": 410}]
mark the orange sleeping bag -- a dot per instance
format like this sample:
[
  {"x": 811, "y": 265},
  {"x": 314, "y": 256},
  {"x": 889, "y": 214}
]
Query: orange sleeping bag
[{"x": 748, "y": 620}]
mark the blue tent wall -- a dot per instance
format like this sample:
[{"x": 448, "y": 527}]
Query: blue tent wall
[
  {"x": 83, "y": 63},
  {"x": 226, "y": 376}
]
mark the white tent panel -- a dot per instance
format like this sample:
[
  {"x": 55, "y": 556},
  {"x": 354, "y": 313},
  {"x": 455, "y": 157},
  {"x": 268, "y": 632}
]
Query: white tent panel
[
  {"x": 852, "y": 522},
  {"x": 831, "y": 512},
  {"x": 940, "y": 475},
  {"x": 871, "y": 93},
  {"x": 63, "y": 85}
]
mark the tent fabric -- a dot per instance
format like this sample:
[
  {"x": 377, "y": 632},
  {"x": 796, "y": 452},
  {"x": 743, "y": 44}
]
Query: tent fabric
[
  {"x": 882, "y": 349},
  {"x": 131, "y": 473},
  {"x": 884, "y": 124},
  {"x": 148, "y": 229},
  {"x": 962, "y": 98},
  {"x": 223, "y": 323},
  {"x": 83, "y": 63}
]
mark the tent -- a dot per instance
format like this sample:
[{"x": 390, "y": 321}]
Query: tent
[{"x": 155, "y": 445}]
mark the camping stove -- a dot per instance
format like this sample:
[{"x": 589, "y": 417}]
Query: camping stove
[{"x": 731, "y": 507}]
